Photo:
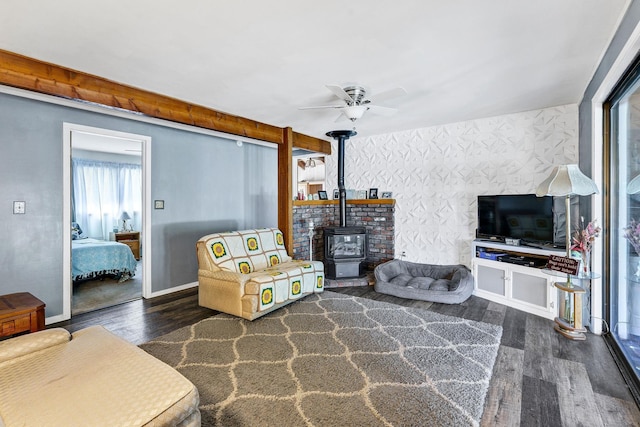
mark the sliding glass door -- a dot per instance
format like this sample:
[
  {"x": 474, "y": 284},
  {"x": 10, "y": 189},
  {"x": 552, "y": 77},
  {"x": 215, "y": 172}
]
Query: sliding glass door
[{"x": 622, "y": 244}]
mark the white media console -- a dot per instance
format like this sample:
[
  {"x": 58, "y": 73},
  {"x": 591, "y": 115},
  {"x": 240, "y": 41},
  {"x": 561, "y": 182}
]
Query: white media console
[{"x": 524, "y": 287}]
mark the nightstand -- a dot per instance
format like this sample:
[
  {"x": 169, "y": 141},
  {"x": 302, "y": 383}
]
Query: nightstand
[
  {"x": 131, "y": 239},
  {"x": 21, "y": 312}
]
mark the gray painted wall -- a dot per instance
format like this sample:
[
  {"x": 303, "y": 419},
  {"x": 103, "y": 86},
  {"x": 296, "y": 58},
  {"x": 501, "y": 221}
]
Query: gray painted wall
[
  {"x": 585, "y": 110},
  {"x": 209, "y": 184}
]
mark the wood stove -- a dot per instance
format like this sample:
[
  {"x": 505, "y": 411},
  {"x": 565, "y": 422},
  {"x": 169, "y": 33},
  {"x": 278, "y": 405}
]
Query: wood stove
[
  {"x": 345, "y": 248},
  {"x": 345, "y": 252}
]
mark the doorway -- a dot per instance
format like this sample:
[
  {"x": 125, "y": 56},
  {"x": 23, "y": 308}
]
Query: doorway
[
  {"x": 107, "y": 258},
  {"x": 309, "y": 176}
]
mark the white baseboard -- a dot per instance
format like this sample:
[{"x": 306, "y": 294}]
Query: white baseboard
[
  {"x": 54, "y": 319},
  {"x": 174, "y": 289}
]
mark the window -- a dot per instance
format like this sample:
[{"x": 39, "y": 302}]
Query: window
[{"x": 102, "y": 191}]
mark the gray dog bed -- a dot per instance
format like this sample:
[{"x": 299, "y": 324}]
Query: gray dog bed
[{"x": 449, "y": 284}]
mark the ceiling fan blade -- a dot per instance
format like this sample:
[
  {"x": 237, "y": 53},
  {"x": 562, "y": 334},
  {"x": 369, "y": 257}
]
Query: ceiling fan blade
[
  {"x": 320, "y": 106},
  {"x": 383, "y": 111},
  {"x": 389, "y": 94},
  {"x": 340, "y": 93}
]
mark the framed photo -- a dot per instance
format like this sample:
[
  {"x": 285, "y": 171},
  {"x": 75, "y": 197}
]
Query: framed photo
[
  {"x": 362, "y": 194},
  {"x": 158, "y": 204},
  {"x": 336, "y": 193},
  {"x": 373, "y": 193},
  {"x": 322, "y": 195},
  {"x": 387, "y": 195}
]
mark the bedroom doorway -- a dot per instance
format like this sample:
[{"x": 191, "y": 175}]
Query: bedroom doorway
[{"x": 108, "y": 254}]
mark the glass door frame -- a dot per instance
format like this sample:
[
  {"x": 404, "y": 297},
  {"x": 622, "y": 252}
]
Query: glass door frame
[{"x": 620, "y": 89}]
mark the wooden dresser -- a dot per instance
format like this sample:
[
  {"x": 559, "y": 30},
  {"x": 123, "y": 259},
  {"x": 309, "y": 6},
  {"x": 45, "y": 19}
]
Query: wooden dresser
[{"x": 131, "y": 239}]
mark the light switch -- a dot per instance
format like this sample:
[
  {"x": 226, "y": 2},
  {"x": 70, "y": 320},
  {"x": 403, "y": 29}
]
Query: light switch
[{"x": 19, "y": 207}]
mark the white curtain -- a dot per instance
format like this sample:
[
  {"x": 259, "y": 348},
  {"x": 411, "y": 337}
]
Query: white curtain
[{"x": 102, "y": 191}]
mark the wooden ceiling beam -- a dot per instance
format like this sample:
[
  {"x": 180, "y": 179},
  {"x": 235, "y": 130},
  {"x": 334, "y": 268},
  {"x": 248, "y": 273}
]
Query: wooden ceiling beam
[
  {"x": 311, "y": 144},
  {"x": 34, "y": 75}
]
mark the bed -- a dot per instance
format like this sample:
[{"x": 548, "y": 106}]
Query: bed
[{"x": 92, "y": 258}]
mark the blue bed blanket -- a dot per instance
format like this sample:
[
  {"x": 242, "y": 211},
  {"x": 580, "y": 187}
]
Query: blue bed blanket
[{"x": 91, "y": 258}]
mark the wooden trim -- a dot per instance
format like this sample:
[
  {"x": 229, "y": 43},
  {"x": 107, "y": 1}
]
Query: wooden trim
[
  {"x": 349, "y": 202},
  {"x": 38, "y": 76},
  {"x": 285, "y": 188}
]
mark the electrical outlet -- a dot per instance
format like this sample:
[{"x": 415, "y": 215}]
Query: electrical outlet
[{"x": 19, "y": 207}]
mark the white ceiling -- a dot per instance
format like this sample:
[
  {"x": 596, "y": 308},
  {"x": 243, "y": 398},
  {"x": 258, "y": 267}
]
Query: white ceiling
[
  {"x": 458, "y": 59},
  {"x": 106, "y": 143}
]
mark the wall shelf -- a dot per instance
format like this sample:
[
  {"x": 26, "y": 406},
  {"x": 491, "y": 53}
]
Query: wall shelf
[{"x": 349, "y": 202}]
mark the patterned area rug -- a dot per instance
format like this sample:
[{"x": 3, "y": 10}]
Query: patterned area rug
[{"x": 332, "y": 359}]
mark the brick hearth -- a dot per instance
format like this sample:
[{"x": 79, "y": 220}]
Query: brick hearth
[{"x": 377, "y": 216}]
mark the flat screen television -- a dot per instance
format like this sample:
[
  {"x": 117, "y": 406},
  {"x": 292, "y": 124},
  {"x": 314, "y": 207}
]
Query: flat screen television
[{"x": 534, "y": 220}]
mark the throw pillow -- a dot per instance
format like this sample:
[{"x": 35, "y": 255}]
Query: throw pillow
[{"x": 76, "y": 232}]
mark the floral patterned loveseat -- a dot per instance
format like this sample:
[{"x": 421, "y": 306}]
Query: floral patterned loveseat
[{"x": 249, "y": 273}]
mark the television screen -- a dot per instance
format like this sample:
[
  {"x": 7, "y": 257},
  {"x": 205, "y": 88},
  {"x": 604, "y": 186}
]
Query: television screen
[{"x": 522, "y": 216}]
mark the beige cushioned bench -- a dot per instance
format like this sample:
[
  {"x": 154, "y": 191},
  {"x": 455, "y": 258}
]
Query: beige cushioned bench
[
  {"x": 248, "y": 273},
  {"x": 93, "y": 378}
]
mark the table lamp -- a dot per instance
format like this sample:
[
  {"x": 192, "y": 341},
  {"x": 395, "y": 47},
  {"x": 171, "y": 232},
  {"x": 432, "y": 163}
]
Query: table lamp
[
  {"x": 634, "y": 186},
  {"x": 124, "y": 217}
]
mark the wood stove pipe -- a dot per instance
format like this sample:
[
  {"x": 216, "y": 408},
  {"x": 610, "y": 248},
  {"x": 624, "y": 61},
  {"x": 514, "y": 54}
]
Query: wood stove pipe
[{"x": 342, "y": 136}]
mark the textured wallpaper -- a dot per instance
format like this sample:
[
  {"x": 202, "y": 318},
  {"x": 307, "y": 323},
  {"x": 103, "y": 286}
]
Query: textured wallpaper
[{"x": 436, "y": 173}]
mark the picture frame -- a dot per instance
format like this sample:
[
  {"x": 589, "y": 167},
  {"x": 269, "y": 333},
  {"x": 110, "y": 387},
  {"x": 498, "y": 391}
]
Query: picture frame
[
  {"x": 336, "y": 194},
  {"x": 158, "y": 204},
  {"x": 373, "y": 193},
  {"x": 322, "y": 195},
  {"x": 362, "y": 194},
  {"x": 387, "y": 195}
]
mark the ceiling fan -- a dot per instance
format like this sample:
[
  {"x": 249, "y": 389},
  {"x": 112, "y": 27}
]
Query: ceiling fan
[{"x": 356, "y": 102}]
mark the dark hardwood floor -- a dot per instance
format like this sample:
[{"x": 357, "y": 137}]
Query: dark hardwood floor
[
  {"x": 539, "y": 379},
  {"x": 141, "y": 320}
]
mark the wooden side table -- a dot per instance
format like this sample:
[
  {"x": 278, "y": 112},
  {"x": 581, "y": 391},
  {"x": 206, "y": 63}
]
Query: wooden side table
[
  {"x": 569, "y": 321},
  {"x": 20, "y": 312},
  {"x": 131, "y": 239}
]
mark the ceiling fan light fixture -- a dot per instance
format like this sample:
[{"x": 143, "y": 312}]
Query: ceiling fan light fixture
[
  {"x": 354, "y": 112},
  {"x": 356, "y": 93},
  {"x": 356, "y": 103}
]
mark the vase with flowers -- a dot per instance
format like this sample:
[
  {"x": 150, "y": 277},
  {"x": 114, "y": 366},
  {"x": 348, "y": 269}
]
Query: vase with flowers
[
  {"x": 632, "y": 234},
  {"x": 582, "y": 242}
]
